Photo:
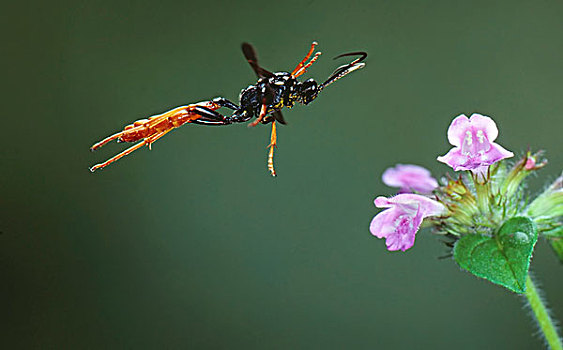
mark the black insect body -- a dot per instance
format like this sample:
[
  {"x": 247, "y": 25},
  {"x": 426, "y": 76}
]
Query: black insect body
[
  {"x": 274, "y": 91},
  {"x": 279, "y": 91}
]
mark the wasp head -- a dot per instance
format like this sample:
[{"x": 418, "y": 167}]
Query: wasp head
[{"x": 307, "y": 91}]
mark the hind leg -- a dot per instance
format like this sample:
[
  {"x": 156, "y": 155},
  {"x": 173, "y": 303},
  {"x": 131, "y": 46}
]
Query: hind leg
[
  {"x": 273, "y": 140},
  {"x": 147, "y": 141}
]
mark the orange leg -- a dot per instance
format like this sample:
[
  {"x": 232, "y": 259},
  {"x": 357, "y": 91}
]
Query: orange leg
[
  {"x": 117, "y": 157},
  {"x": 273, "y": 139},
  {"x": 300, "y": 65},
  {"x": 260, "y": 117},
  {"x": 147, "y": 141},
  {"x": 139, "y": 126},
  {"x": 106, "y": 140},
  {"x": 304, "y": 68}
]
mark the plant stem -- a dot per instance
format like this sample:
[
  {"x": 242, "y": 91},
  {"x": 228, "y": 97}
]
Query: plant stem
[{"x": 544, "y": 321}]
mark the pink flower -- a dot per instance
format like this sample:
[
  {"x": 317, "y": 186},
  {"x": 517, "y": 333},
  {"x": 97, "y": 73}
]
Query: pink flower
[
  {"x": 410, "y": 178},
  {"x": 473, "y": 140},
  {"x": 400, "y": 222}
]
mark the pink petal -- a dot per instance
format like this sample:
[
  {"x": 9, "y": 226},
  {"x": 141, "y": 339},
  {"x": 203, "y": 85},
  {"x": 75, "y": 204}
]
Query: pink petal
[
  {"x": 403, "y": 198},
  {"x": 392, "y": 176},
  {"x": 456, "y": 131},
  {"x": 400, "y": 242},
  {"x": 382, "y": 202},
  {"x": 496, "y": 153},
  {"x": 430, "y": 207},
  {"x": 481, "y": 122},
  {"x": 404, "y": 234},
  {"x": 382, "y": 224},
  {"x": 454, "y": 158},
  {"x": 409, "y": 177},
  {"x": 410, "y": 202}
]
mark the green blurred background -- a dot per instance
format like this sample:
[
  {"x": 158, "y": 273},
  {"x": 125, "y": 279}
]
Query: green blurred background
[{"x": 194, "y": 245}]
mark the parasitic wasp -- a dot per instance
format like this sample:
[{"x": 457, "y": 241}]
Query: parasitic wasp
[{"x": 263, "y": 101}]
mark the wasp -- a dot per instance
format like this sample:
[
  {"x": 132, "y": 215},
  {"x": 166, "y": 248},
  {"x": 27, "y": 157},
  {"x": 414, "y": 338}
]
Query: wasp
[{"x": 263, "y": 101}]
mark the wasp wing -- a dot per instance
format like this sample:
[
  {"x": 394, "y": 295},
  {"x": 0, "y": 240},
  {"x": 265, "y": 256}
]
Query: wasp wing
[{"x": 250, "y": 55}]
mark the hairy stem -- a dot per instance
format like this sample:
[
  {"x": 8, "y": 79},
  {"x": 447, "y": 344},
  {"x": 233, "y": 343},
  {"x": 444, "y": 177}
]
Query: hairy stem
[{"x": 540, "y": 312}]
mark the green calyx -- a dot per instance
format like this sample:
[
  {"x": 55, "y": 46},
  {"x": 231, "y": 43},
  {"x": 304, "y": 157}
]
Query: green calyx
[{"x": 495, "y": 226}]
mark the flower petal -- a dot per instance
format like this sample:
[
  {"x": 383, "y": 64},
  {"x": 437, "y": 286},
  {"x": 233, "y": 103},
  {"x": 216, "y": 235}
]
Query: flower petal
[
  {"x": 429, "y": 207},
  {"x": 382, "y": 224},
  {"x": 488, "y": 125},
  {"x": 456, "y": 131},
  {"x": 405, "y": 228},
  {"x": 413, "y": 203},
  {"x": 454, "y": 158},
  {"x": 400, "y": 242},
  {"x": 392, "y": 176},
  {"x": 410, "y": 177},
  {"x": 382, "y": 202},
  {"x": 496, "y": 153}
]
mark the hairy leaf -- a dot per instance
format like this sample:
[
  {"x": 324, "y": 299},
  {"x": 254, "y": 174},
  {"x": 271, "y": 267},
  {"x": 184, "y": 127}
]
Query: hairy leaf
[{"x": 504, "y": 258}]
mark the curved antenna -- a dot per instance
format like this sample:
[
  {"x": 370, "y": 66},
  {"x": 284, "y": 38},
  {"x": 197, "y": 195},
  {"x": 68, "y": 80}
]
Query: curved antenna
[{"x": 347, "y": 68}]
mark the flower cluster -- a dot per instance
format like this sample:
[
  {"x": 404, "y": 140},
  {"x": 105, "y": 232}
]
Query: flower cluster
[
  {"x": 483, "y": 213},
  {"x": 484, "y": 196}
]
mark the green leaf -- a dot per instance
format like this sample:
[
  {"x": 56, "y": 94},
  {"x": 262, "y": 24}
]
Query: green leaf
[
  {"x": 504, "y": 258},
  {"x": 557, "y": 245}
]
